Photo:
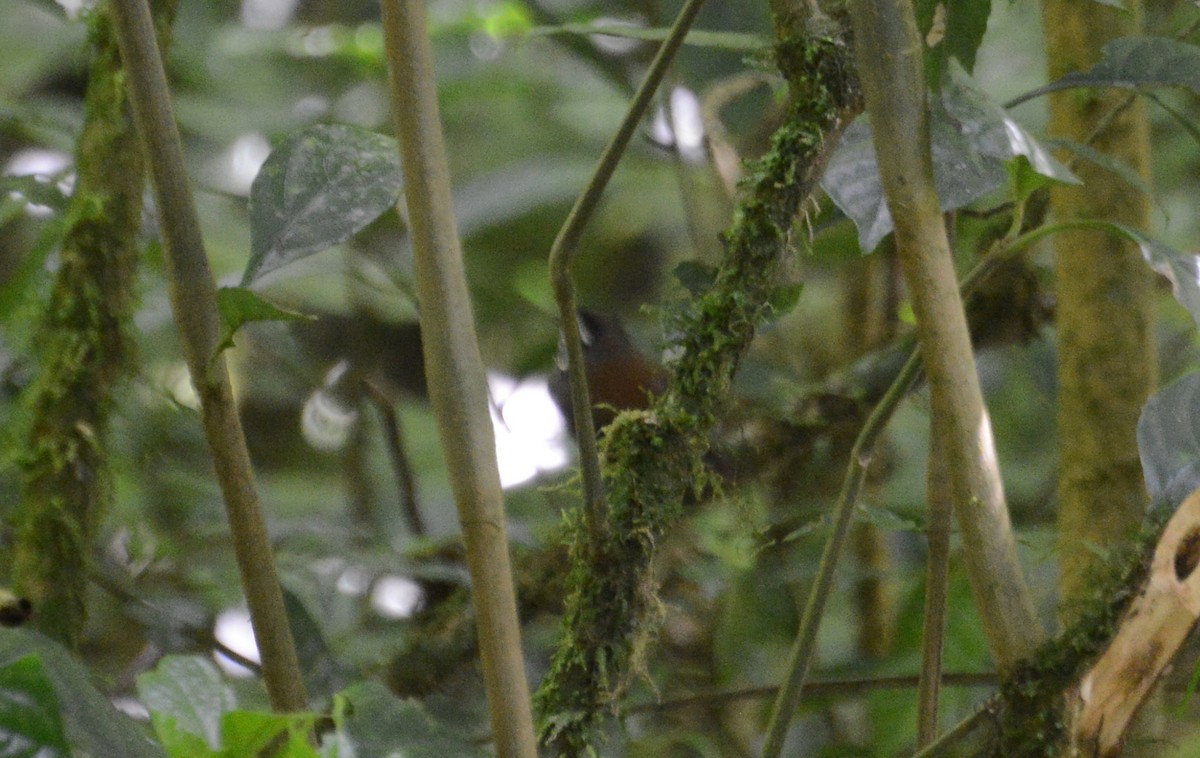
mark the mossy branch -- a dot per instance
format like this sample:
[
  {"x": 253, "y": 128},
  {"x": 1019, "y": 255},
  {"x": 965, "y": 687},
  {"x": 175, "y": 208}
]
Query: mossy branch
[
  {"x": 1028, "y": 717},
  {"x": 194, "y": 304},
  {"x": 84, "y": 351},
  {"x": 653, "y": 459}
]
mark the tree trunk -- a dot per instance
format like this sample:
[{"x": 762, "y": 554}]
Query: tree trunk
[{"x": 1106, "y": 350}]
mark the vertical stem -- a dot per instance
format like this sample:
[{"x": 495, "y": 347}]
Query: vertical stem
[
  {"x": 890, "y": 66},
  {"x": 1104, "y": 301},
  {"x": 454, "y": 373},
  {"x": 937, "y": 576},
  {"x": 194, "y": 303}
]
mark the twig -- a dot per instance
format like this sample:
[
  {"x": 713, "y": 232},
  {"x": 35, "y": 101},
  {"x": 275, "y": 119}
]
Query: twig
[
  {"x": 562, "y": 257},
  {"x": 937, "y": 575},
  {"x": 963, "y": 729},
  {"x": 860, "y": 457},
  {"x": 202, "y": 636},
  {"x": 820, "y": 689},
  {"x": 405, "y": 478}
]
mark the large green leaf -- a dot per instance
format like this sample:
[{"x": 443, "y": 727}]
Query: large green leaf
[
  {"x": 972, "y": 139},
  {"x": 30, "y": 724},
  {"x": 375, "y": 722},
  {"x": 186, "y": 696},
  {"x": 93, "y": 726},
  {"x": 317, "y": 189},
  {"x": 1130, "y": 62}
]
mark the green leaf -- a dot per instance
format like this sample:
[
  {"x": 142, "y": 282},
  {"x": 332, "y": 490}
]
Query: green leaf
[
  {"x": 22, "y": 282},
  {"x": 30, "y": 723},
  {"x": 695, "y": 277},
  {"x": 1182, "y": 119},
  {"x": 1130, "y": 62},
  {"x": 972, "y": 140},
  {"x": 378, "y": 723},
  {"x": 239, "y": 306},
  {"x": 251, "y": 732},
  {"x": 1168, "y": 435},
  {"x": 93, "y": 726},
  {"x": 1023, "y": 181},
  {"x": 318, "y": 188},
  {"x": 1104, "y": 161},
  {"x": 966, "y": 23},
  {"x": 186, "y": 695},
  {"x": 990, "y": 129},
  {"x": 180, "y": 743},
  {"x": 960, "y": 28},
  {"x": 886, "y": 519},
  {"x": 1181, "y": 269},
  {"x": 783, "y": 299},
  {"x": 323, "y": 672}
]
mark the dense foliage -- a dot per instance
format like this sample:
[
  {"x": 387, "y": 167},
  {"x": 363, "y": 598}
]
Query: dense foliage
[{"x": 777, "y": 305}]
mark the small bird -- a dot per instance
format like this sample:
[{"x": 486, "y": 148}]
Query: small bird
[{"x": 619, "y": 376}]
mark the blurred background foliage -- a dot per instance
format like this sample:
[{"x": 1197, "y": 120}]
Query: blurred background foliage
[{"x": 527, "y": 109}]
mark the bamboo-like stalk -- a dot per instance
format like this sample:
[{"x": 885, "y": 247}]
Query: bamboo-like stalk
[
  {"x": 194, "y": 303},
  {"x": 889, "y": 62},
  {"x": 454, "y": 372}
]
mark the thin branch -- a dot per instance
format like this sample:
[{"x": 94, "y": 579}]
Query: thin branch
[
  {"x": 827, "y": 688},
  {"x": 562, "y": 258},
  {"x": 194, "y": 303},
  {"x": 950, "y": 742},
  {"x": 405, "y": 477},
  {"x": 201, "y": 636},
  {"x": 860, "y": 458},
  {"x": 937, "y": 580}
]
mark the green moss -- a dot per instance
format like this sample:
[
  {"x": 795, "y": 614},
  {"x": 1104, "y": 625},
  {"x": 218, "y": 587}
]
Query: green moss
[
  {"x": 653, "y": 460},
  {"x": 84, "y": 350},
  {"x": 1033, "y": 710}
]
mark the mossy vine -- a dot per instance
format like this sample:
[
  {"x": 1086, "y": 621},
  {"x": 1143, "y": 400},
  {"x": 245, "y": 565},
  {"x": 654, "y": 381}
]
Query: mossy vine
[
  {"x": 84, "y": 352},
  {"x": 654, "y": 459}
]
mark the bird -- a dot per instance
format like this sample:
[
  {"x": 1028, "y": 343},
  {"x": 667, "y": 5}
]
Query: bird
[{"x": 620, "y": 377}]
